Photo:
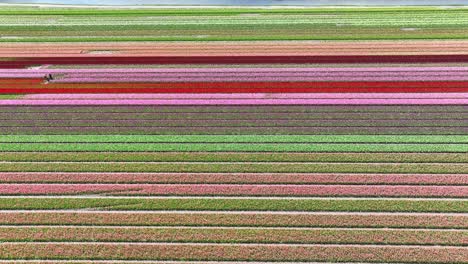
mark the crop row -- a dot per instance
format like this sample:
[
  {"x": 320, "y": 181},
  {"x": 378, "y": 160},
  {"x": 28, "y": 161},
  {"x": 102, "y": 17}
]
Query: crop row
[
  {"x": 238, "y": 252},
  {"x": 346, "y": 19},
  {"x": 315, "y": 190},
  {"x": 249, "y": 87},
  {"x": 261, "y": 78},
  {"x": 278, "y": 60},
  {"x": 216, "y": 167},
  {"x": 242, "y": 147},
  {"x": 237, "y": 178},
  {"x": 343, "y": 157},
  {"x": 226, "y": 87},
  {"x": 80, "y": 11},
  {"x": 253, "y": 48},
  {"x": 76, "y": 49},
  {"x": 229, "y": 235},
  {"x": 231, "y": 139},
  {"x": 329, "y": 139},
  {"x": 436, "y": 69},
  {"x": 218, "y": 51},
  {"x": 343, "y": 35},
  {"x": 243, "y": 219},
  {"x": 266, "y": 25},
  {"x": 219, "y": 130},
  {"x": 248, "y": 70},
  {"x": 172, "y": 20},
  {"x": 292, "y": 109},
  {"x": 442, "y": 101},
  {"x": 9, "y": 96},
  {"x": 298, "y": 26},
  {"x": 239, "y": 204},
  {"x": 266, "y": 22},
  {"x": 226, "y": 116},
  {"x": 218, "y": 96},
  {"x": 221, "y": 122},
  {"x": 239, "y": 76}
]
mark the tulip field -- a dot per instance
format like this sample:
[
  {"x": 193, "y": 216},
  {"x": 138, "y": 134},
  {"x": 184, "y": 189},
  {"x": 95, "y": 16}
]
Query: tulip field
[{"x": 233, "y": 135}]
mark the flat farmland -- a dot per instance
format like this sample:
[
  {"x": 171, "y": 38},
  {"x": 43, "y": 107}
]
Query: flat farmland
[{"x": 233, "y": 135}]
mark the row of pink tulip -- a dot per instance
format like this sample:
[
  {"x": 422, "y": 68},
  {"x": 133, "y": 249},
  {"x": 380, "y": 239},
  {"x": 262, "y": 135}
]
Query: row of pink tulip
[
  {"x": 264, "y": 178},
  {"x": 215, "y": 96},
  {"x": 253, "y": 73},
  {"x": 443, "y": 101},
  {"x": 434, "y": 70},
  {"x": 266, "y": 219},
  {"x": 86, "y": 79},
  {"x": 238, "y": 235},
  {"x": 235, "y": 252},
  {"x": 236, "y": 189}
]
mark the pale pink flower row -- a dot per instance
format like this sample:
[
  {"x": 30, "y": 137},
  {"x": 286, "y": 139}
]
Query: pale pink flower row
[{"x": 236, "y": 189}]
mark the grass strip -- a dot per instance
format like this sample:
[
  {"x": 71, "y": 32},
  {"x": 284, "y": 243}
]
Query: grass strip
[
  {"x": 353, "y": 157},
  {"x": 242, "y": 147},
  {"x": 233, "y": 252},
  {"x": 258, "y": 204},
  {"x": 433, "y": 168},
  {"x": 225, "y": 235},
  {"x": 218, "y": 219}
]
